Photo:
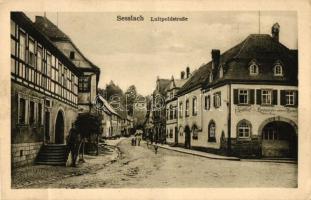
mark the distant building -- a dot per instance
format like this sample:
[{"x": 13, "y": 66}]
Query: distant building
[
  {"x": 158, "y": 109},
  {"x": 244, "y": 101},
  {"x": 172, "y": 132},
  {"x": 111, "y": 122}
]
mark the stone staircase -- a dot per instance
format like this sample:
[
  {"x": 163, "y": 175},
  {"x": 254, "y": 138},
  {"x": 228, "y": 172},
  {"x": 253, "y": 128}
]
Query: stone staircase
[{"x": 52, "y": 154}]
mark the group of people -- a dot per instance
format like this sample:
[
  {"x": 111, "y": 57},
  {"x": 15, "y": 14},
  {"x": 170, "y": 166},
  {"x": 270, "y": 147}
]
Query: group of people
[{"x": 150, "y": 140}]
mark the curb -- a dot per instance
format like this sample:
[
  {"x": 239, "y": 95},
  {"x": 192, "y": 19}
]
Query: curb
[
  {"x": 200, "y": 155},
  {"x": 271, "y": 161}
]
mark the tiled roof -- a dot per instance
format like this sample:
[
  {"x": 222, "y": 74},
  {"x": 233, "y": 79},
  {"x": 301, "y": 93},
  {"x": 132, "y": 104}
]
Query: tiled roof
[
  {"x": 50, "y": 29},
  {"x": 57, "y": 35},
  {"x": 163, "y": 83},
  {"x": 235, "y": 61},
  {"x": 107, "y": 107},
  {"x": 180, "y": 82}
]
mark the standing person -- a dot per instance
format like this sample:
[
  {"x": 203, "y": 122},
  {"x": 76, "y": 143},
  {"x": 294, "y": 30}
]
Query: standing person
[
  {"x": 155, "y": 148},
  {"x": 73, "y": 141}
]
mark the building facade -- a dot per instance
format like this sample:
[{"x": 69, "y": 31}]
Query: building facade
[
  {"x": 247, "y": 99},
  {"x": 88, "y": 81},
  {"x": 159, "y": 110},
  {"x": 44, "y": 91},
  {"x": 171, "y": 102}
]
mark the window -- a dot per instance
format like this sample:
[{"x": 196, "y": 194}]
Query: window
[
  {"x": 31, "y": 113},
  {"x": 32, "y": 57},
  {"x": 211, "y": 77},
  {"x": 244, "y": 129},
  {"x": 84, "y": 84},
  {"x": 221, "y": 72},
  {"x": 39, "y": 114},
  {"x": 290, "y": 98},
  {"x": 22, "y": 47},
  {"x": 175, "y": 112},
  {"x": 217, "y": 99},
  {"x": 266, "y": 97},
  {"x": 243, "y": 96},
  {"x": 195, "y": 134},
  {"x": 194, "y": 106},
  {"x": 253, "y": 69},
  {"x": 187, "y": 108},
  {"x": 39, "y": 59},
  {"x": 22, "y": 111},
  {"x": 180, "y": 110},
  {"x": 171, "y": 133},
  {"x": 212, "y": 132},
  {"x": 72, "y": 82},
  {"x": 72, "y": 55},
  {"x": 207, "y": 104},
  {"x": 13, "y": 47},
  {"x": 278, "y": 70},
  {"x": 48, "y": 65}
]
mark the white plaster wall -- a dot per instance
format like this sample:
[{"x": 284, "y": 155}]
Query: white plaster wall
[{"x": 257, "y": 114}]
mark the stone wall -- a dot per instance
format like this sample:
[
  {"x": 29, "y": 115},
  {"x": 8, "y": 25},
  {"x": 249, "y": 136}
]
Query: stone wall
[{"x": 24, "y": 153}]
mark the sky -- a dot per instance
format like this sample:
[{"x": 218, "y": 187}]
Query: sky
[{"x": 136, "y": 53}]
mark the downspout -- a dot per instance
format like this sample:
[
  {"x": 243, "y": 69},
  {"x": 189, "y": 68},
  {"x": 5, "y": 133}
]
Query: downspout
[{"x": 229, "y": 123}]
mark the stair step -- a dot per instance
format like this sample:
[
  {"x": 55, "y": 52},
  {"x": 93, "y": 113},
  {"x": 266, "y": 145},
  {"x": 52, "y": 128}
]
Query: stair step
[
  {"x": 51, "y": 163},
  {"x": 53, "y": 154}
]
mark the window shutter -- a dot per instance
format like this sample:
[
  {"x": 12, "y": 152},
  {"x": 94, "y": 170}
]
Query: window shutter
[
  {"x": 251, "y": 96},
  {"x": 296, "y": 98},
  {"x": 283, "y": 97},
  {"x": 258, "y": 97},
  {"x": 235, "y": 96},
  {"x": 274, "y": 97},
  {"x": 214, "y": 100},
  {"x": 219, "y": 99}
]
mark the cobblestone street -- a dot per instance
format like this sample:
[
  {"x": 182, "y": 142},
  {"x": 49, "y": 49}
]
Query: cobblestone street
[{"x": 140, "y": 167}]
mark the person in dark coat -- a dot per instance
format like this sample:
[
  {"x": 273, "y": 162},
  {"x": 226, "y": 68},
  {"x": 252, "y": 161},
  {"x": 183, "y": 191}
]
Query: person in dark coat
[{"x": 73, "y": 141}]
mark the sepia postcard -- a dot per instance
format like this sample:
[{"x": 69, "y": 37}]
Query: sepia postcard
[{"x": 155, "y": 100}]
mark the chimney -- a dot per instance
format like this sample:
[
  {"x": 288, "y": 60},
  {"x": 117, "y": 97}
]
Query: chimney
[
  {"x": 275, "y": 30},
  {"x": 182, "y": 74},
  {"x": 187, "y": 72},
  {"x": 215, "y": 58}
]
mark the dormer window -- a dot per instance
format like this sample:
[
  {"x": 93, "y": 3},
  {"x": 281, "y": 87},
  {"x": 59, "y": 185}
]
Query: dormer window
[
  {"x": 253, "y": 69},
  {"x": 278, "y": 70},
  {"x": 221, "y": 72},
  {"x": 210, "y": 77}
]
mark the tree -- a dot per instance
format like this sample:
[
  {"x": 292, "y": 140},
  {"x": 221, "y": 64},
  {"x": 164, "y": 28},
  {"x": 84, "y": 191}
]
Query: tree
[
  {"x": 112, "y": 89},
  {"x": 88, "y": 127},
  {"x": 130, "y": 96}
]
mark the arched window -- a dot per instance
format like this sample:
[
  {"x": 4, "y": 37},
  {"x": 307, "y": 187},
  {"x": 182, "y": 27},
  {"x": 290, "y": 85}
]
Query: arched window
[
  {"x": 195, "y": 135},
  {"x": 244, "y": 129},
  {"x": 212, "y": 131},
  {"x": 278, "y": 70},
  {"x": 253, "y": 68}
]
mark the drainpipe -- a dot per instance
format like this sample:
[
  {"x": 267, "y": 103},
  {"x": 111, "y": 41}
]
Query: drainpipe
[{"x": 229, "y": 124}]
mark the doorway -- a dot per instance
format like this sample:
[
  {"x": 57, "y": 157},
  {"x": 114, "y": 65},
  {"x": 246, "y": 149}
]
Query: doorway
[
  {"x": 187, "y": 137},
  {"x": 59, "y": 129},
  {"x": 279, "y": 139},
  {"x": 47, "y": 126}
]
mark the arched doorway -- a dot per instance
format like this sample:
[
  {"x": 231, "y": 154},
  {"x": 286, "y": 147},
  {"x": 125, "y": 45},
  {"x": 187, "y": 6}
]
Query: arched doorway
[
  {"x": 59, "y": 128},
  {"x": 279, "y": 139},
  {"x": 187, "y": 137}
]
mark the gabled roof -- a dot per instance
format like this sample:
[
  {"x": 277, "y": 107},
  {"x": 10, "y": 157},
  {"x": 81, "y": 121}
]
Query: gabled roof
[
  {"x": 107, "y": 107},
  {"x": 162, "y": 84},
  {"x": 24, "y": 22},
  {"x": 235, "y": 61},
  {"x": 57, "y": 35}
]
